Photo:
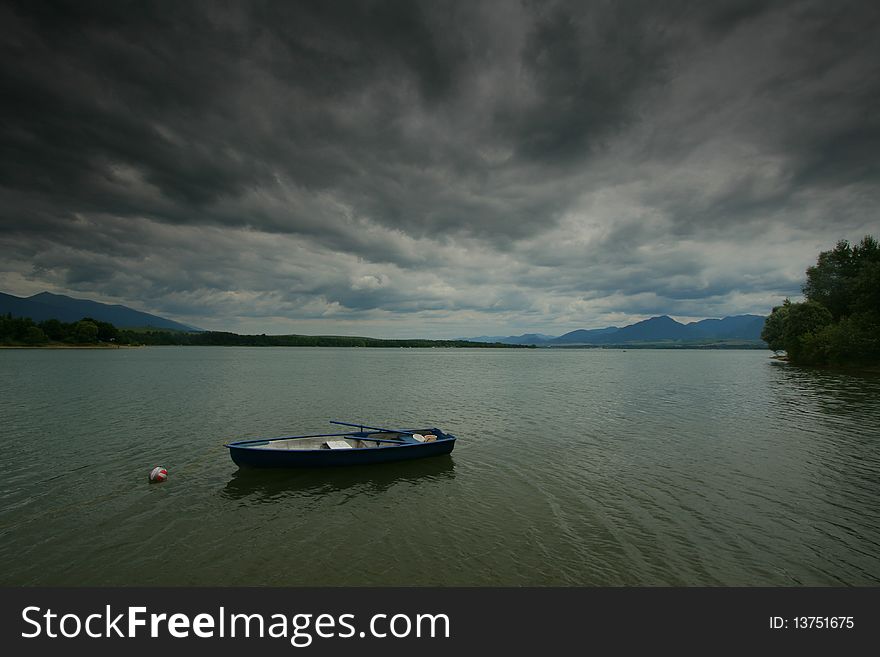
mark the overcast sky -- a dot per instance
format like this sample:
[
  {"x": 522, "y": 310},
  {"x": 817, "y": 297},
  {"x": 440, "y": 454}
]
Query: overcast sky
[{"x": 434, "y": 169}]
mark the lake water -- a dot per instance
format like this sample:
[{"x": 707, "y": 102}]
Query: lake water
[{"x": 575, "y": 467}]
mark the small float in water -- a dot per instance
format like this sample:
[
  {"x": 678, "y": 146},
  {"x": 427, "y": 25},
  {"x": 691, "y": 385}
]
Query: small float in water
[
  {"x": 158, "y": 475},
  {"x": 366, "y": 446}
]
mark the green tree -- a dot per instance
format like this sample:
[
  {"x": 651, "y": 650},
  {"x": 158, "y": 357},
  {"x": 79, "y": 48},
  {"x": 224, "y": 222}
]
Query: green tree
[
  {"x": 85, "y": 332},
  {"x": 106, "y": 330},
  {"x": 804, "y": 320},
  {"x": 54, "y": 329},
  {"x": 853, "y": 340},
  {"x": 5, "y": 327},
  {"x": 35, "y": 335},
  {"x": 866, "y": 289},
  {"x": 773, "y": 332},
  {"x": 835, "y": 279},
  {"x": 840, "y": 321},
  {"x": 828, "y": 280}
]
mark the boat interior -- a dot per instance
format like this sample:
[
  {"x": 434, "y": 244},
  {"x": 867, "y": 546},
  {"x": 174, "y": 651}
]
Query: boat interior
[{"x": 372, "y": 440}]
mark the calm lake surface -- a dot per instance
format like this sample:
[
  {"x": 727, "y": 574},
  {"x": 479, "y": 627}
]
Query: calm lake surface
[{"x": 576, "y": 467}]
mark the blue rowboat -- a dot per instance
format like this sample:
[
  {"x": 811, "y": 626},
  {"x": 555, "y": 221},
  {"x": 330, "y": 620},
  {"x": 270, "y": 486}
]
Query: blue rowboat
[{"x": 368, "y": 445}]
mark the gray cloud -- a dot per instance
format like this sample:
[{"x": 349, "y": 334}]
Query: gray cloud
[{"x": 400, "y": 168}]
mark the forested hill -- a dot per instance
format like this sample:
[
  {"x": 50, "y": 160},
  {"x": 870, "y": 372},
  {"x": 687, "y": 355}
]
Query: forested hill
[{"x": 44, "y": 306}]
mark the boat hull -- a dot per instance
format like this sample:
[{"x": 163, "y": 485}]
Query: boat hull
[{"x": 249, "y": 456}]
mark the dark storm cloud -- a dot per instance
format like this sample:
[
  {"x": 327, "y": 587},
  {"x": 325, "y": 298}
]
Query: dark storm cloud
[
  {"x": 369, "y": 101},
  {"x": 306, "y": 160}
]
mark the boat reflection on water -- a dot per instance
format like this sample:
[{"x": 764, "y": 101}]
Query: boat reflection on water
[{"x": 270, "y": 485}]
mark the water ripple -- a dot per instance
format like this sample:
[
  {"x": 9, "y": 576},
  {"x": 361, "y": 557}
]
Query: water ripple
[{"x": 574, "y": 468}]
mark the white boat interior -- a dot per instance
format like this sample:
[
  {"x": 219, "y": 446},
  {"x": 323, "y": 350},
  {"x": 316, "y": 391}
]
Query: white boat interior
[{"x": 342, "y": 442}]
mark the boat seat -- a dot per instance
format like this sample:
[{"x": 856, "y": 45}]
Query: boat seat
[{"x": 337, "y": 444}]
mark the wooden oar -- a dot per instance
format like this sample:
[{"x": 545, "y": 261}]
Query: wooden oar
[{"x": 364, "y": 426}]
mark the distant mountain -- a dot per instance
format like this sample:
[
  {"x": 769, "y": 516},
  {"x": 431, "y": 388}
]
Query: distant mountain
[
  {"x": 655, "y": 329},
  {"x": 45, "y": 305},
  {"x": 526, "y": 338},
  {"x": 649, "y": 330},
  {"x": 582, "y": 336},
  {"x": 665, "y": 329},
  {"x": 744, "y": 327}
]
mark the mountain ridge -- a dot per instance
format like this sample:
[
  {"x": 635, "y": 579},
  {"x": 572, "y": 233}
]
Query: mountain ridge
[
  {"x": 46, "y": 305},
  {"x": 654, "y": 329}
]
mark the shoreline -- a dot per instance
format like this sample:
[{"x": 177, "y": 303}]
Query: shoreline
[
  {"x": 633, "y": 347},
  {"x": 72, "y": 346}
]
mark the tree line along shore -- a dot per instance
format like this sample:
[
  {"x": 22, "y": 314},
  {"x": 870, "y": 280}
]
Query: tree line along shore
[
  {"x": 838, "y": 323},
  {"x": 88, "y": 332}
]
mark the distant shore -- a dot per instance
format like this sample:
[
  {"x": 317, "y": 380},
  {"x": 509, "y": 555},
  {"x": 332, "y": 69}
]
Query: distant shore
[
  {"x": 472, "y": 345},
  {"x": 88, "y": 333},
  {"x": 71, "y": 346},
  {"x": 347, "y": 346}
]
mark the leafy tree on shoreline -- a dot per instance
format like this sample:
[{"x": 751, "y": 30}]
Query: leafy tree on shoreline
[
  {"x": 839, "y": 323},
  {"x": 86, "y": 332},
  {"x": 34, "y": 335},
  {"x": 774, "y": 327},
  {"x": 24, "y": 331}
]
